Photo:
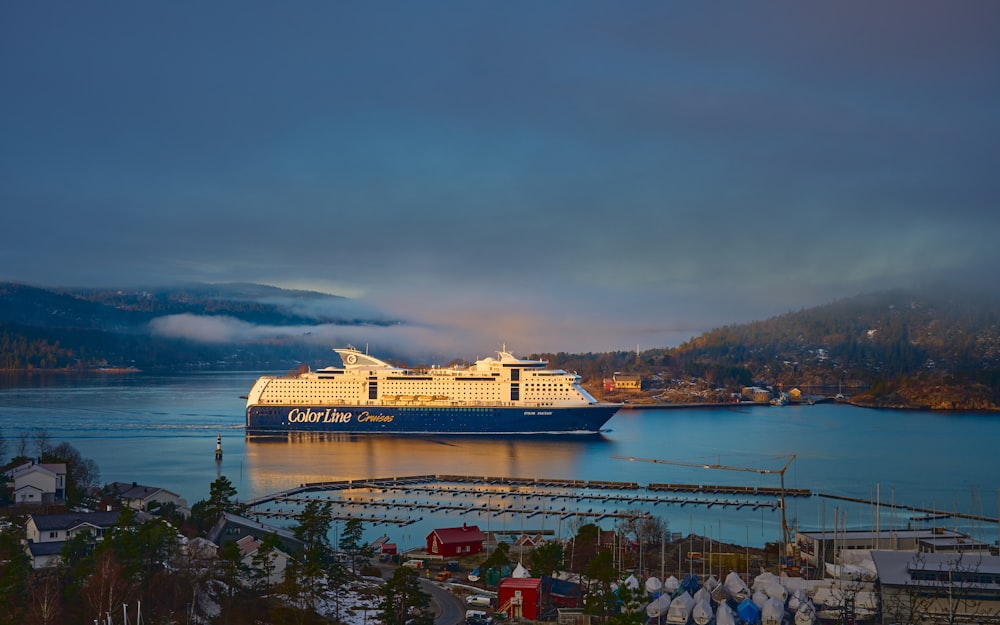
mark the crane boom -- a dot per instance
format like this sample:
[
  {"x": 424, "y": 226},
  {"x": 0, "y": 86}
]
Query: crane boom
[
  {"x": 785, "y": 534},
  {"x": 703, "y": 465}
]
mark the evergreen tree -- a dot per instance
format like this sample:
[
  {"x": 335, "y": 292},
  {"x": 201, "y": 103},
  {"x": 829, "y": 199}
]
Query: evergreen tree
[
  {"x": 545, "y": 559},
  {"x": 403, "y": 601},
  {"x": 206, "y": 513},
  {"x": 352, "y": 544}
]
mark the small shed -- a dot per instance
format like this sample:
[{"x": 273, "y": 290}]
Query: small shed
[
  {"x": 521, "y": 597},
  {"x": 455, "y": 541}
]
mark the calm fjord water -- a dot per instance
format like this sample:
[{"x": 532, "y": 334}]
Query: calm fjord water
[{"x": 161, "y": 430}]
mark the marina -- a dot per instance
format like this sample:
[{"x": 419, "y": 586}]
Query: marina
[{"x": 407, "y": 500}]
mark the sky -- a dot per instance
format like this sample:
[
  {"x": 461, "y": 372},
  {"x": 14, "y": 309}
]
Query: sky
[{"x": 550, "y": 176}]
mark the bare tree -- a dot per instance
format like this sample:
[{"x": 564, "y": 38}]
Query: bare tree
[
  {"x": 43, "y": 442},
  {"x": 46, "y": 602}
]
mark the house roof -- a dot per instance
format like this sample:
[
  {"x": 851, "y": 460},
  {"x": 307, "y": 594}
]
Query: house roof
[
  {"x": 46, "y": 549},
  {"x": 458, "y": 535},
  {"x": 71, "y": 520},
  {"x": 51, "y": 468},
  {"x": 137, "y": 491},
  {"x": 521, "y": 582},
  {"x": 28, "y": 487},
  {"x": 884, "y": 535},
  {"x": 235, "y": 520}
]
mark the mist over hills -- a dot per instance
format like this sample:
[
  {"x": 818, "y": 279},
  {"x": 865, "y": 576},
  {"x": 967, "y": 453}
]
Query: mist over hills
[
  {"x": 934, "y": 348},
  {"x": 174, "y": 327}
]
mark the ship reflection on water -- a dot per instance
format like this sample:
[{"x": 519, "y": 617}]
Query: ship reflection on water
[
  {"x": 409, "y": 509},
  {"x": 278, "y": 462}
]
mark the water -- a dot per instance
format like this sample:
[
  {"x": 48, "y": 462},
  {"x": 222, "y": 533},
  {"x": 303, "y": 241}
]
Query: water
[{"x": 161, "y": 431}]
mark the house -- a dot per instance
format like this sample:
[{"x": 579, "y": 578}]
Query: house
[
  {"x": 45, "y": 534},
  {"x": 249, "y": 545},
  {"x": 382, "y": 547},
  {"x": 37, "y": 483},
  {"x": 455, "y": 541},
  {"x": 520, "y": 597},
  {"x": 622, "y": 382},
  {"x": 140, "y": 497},
  {"x": 232, "y": 527}
]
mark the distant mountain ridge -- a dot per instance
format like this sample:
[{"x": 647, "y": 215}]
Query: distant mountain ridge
[
  {"x": 932, "y": 348},
  {"x": 85, "y": 328}
]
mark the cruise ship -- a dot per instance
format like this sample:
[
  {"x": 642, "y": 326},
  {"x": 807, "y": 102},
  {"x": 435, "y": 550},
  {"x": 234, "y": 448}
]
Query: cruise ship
[{"x": 503, "y": 395}]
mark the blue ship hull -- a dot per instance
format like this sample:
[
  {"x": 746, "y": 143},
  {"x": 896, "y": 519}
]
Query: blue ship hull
[{"x": 428, "y": 420}]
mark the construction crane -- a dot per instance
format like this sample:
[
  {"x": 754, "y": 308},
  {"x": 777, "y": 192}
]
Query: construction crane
[{"x": 785, "y": 534}]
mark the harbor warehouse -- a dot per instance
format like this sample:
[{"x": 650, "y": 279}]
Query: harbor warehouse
[{"x": 455, "y": 541}]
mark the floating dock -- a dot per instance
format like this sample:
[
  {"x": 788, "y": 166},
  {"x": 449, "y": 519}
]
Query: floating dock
[{"x": 401, "y": 498}]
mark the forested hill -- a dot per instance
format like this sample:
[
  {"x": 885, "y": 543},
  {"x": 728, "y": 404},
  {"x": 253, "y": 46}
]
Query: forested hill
[
  {"x": 933, "y": 348},
  {"x": 52, "y": 328},
  {"x": 897, "y": 348}
]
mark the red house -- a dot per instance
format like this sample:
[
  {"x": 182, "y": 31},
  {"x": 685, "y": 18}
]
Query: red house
[
  {"x": 521, "y": 597},
  {"x": 455, "y": 541}
]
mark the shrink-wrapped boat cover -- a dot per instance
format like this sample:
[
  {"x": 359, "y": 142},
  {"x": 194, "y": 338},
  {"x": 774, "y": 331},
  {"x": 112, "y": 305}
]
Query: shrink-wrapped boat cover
[
  {"x": 658, "y": 607},
  {"x": 735, "y": 587},
  {"x": 680, "y": 609},
  {"x": 653, "y": 586},
  {"x": 701, "y": 613},
  {"x": 724, "y": 615},
  {"x": 773, "y": 612}
]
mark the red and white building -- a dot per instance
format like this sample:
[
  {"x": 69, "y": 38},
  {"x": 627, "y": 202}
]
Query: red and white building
[{"x": 453, "y": 542}]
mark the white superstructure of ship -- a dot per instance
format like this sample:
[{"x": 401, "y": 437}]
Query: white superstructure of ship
[{"x": 505, "y": 394}]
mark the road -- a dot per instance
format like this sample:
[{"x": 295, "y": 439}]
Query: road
[{"x": 450, "y": 609}]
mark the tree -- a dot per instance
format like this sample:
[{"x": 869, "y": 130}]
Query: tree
[
  {"x": 352, "y": 544},
  {"x": 42, "y": 442},
  {"x": 644, "y": 530},
  {"x": 497, "y": 560},
  {"x": 15, "y": 572},
  {"x": 403, "y": 602},
  {"x": 584, "y": 547},
  {"x": 262, "y": 564},
  {"x": 82, "y": 473},
  {"x": 546, "y": 558},
  {"x": 45, "y": 603},
  {"x": 107, "y": 587},
  {"x": 306, "y": 578},
  {"x": 221, "y": 493},
  {"x": 600, "y": 598}
]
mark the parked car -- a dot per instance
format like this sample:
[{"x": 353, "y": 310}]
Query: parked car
[
  {"x": 477, "y": 617},
  {"x": 482, "y": 601}
]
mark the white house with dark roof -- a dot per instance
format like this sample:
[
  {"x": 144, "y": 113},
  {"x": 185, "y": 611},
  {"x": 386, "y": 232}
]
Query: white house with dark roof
[
  {"x": 142, "y": 497},
  {"x": 249, "y": 545},
  {"x": 45, "y": 534},
  {"x": 37, "y": 483},
  {"x": 232, "y": 527}
]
